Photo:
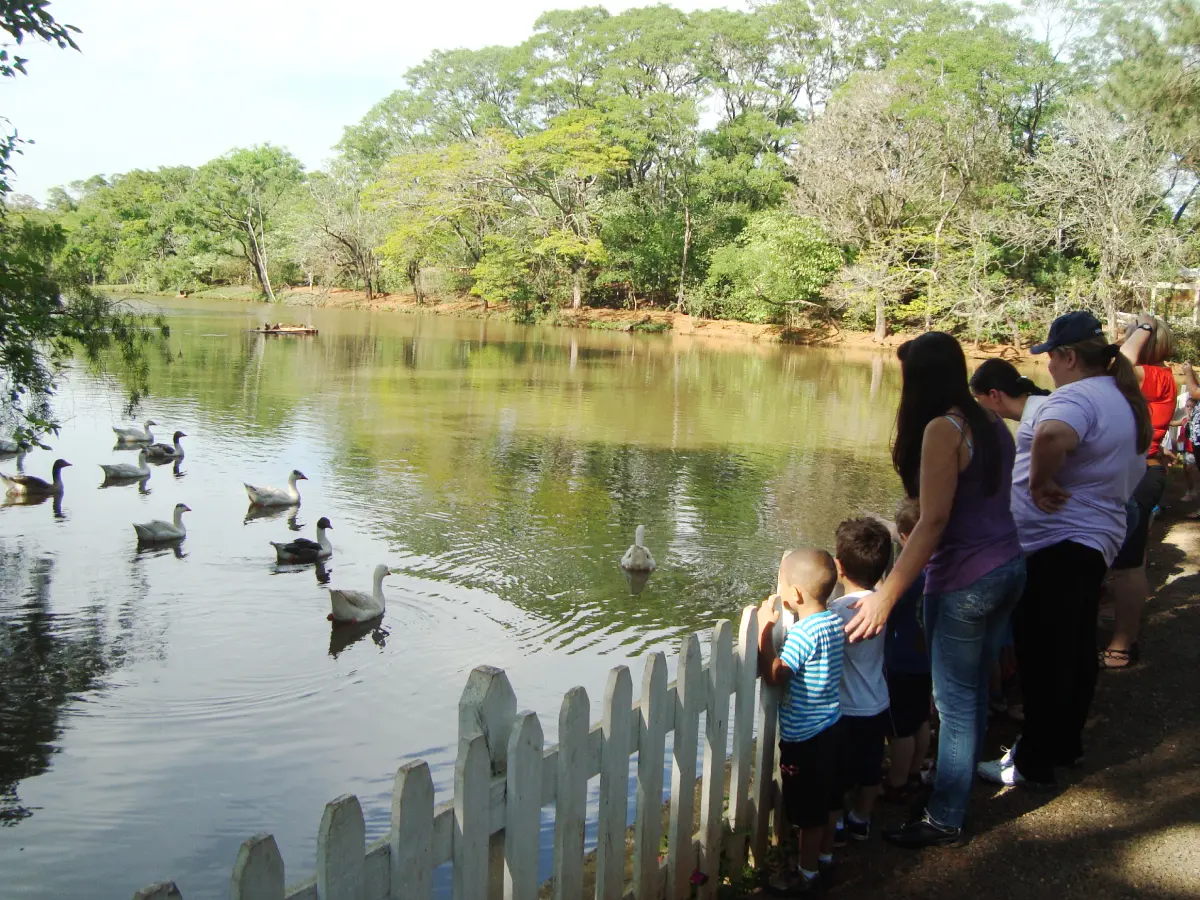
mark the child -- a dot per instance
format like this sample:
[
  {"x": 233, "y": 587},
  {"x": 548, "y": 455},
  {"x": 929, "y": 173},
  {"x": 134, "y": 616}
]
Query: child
[
  {"x": 910, "y": 685},
  {"x": 810, "y": 663},
  {"x": 864, "y": 549}
]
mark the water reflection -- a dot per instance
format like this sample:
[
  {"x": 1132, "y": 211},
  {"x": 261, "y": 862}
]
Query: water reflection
[
  {"x": 256, "y": 513},
  {"x": 344, "y": 636},
  {"x": 117, "y": 481}
]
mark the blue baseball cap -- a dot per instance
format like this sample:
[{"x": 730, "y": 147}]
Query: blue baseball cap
[{"x": 1070, "y": 328}]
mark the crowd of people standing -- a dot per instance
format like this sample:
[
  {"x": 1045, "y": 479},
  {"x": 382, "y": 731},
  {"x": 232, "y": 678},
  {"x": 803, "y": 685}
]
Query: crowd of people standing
[{"x": 1003, "y": 537}]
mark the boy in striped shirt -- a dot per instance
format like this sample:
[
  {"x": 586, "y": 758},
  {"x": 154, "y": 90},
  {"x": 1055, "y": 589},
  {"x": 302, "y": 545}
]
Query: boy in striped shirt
[{"x": 810, "y": 664}]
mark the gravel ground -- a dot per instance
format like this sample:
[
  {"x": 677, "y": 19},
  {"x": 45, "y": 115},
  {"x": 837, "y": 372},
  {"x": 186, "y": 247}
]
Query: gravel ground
[{"x": 1127, "y": 824}]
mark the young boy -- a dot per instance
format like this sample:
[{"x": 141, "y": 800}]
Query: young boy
[
  {"x": 864, "y": 549},
  {"x": 910, "y": 686},
  {"x": 810, "y": 664}
]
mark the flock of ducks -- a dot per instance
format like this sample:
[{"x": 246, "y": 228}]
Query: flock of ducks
[{"x": 346, "y": 606}]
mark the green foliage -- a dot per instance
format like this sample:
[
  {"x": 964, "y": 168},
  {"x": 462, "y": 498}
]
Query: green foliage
[{"x": 777, "y": 265}]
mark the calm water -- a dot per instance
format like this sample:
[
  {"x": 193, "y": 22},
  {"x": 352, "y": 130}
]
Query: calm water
[{"x": 157, "y": 708}]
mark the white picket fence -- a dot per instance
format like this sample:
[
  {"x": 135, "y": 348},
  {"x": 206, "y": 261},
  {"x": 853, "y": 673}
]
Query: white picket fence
[{"x": 504, "y": 776}]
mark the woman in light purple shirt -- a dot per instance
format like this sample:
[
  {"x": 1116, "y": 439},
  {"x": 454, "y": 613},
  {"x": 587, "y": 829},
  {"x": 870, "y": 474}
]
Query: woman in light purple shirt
[{"x": 1074, "y": 471}]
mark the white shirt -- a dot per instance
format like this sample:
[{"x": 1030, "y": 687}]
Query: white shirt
[{"x": 864, "y": 689}]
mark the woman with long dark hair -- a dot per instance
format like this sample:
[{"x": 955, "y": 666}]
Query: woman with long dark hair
[
  {"x": 998, "y": 386},
  {"x": 956, "y": 458},
  {"x": 1070, "y": 486}
]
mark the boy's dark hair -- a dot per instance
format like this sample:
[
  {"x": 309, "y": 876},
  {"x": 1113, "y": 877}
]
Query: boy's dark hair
[
  {"x": 908, "y": 514},
  {"x": 864, "y": 548}
]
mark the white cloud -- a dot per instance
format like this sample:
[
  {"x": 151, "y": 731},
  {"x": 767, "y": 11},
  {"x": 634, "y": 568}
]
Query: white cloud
[{"x": 162, "y": 82}]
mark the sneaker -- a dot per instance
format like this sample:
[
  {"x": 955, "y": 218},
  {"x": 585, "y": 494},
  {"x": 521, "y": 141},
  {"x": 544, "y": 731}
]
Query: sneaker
[
  {"x": 839, "y": 833},
  {"x": 860, "y": 831},
  {"x": 923, "y": 832},
  {"x": 1002, "y": 770},
  {"x": 791, "y": 882}
]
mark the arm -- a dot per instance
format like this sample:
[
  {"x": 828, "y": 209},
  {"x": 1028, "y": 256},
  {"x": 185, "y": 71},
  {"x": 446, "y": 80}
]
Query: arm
[
  {"x": 1052, "y": 441},
  {"x": 1189, "y": 377},
  {"x": 1136, "y": 340},
  {"x": 939, "y": 482},
  {"x": 770, "y": 666}
]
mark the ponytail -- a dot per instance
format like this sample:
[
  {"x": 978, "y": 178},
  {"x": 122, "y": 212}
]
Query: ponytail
[
  {"x": 1001, "y": 375},
  {"x": 1122, "y": 371},
  {"x": 1027, "y": 388},
  {"x": 1099, "y": 356}
]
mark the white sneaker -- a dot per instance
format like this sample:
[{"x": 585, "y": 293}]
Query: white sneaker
[{"x": 1002, "y": 770}]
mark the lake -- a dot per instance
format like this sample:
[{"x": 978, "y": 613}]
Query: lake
[{"x": 157, "y": 708}]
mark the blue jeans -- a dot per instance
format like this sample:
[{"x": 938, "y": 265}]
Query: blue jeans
[{"x": 964, "y": 630}]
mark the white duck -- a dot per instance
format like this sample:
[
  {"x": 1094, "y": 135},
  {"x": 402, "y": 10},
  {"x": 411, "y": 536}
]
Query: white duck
[
  {"x": 302, "y": 550},
  {"x": 158, "y": 531},
  {"x": 637, "y": 558},
  {"x": 125, "y": 471},
  {"x": 167, "y": 451},
  {"x": 350, "y": 607},
  {"x": 272, "y": 496},
  {"x": 135, "y": 435},
  {"x": 32, "y": 486}
]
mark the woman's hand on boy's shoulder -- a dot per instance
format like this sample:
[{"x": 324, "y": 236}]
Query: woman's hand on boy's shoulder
[{"x": 870, "y": 617}]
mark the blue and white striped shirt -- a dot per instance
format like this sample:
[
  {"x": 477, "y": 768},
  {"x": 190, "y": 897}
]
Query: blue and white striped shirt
[{"x": 813, "y": 652}]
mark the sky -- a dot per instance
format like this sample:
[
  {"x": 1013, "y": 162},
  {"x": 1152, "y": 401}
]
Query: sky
[{"x": 163, "y": 82}]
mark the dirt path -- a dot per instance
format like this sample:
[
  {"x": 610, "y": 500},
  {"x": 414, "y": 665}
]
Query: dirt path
[{"x": 1128, "y": 823}]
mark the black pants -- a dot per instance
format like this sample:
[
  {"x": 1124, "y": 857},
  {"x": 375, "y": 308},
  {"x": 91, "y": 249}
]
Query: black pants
[{"x": 1054, "y": 633}]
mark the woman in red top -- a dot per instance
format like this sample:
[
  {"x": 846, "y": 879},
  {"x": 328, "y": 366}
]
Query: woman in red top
[{"x": 1148, "y": 344}]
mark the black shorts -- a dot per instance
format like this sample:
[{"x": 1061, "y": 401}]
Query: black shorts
[
  {"x": 809, "y": 770},
  {"x": 1147, "y": 495},
  {"x": 860, "y": 764},
  {"x": 910, "y": 695}
]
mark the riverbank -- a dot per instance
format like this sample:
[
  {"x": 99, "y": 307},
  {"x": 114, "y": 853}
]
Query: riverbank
[
  {"x": 651, "y": 320},
  {"x": 1125, "y": 824}
]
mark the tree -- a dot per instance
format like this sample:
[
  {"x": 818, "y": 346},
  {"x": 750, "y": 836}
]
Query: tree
[
  {"x": 234, "y": 197},
  {"x": 334, "y": 230}
]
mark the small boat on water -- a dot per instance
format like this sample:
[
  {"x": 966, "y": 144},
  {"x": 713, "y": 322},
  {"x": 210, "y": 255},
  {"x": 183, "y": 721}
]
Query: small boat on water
[{"x": 285, "y": 328}]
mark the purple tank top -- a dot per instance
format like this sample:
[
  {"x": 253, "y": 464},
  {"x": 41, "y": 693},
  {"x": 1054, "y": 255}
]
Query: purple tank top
[{"x": 981, "y": 534}]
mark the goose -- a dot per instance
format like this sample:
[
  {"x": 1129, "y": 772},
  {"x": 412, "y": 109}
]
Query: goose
[
  {"x": 123, "y": 471},
  {"x": 167, "y": 451},
  {"x": 358, "y": 606},
  {"x": 135, "y": 435},
  {"x": 637, "y": 558},
  {"x": 158, "y": 531},
  {"x": 302, "y": 550},
  {"x": 272, "y": 496},
  {"x": 32, "y": 486}
]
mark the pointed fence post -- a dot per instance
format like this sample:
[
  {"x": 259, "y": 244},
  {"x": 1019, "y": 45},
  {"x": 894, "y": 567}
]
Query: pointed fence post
[
  {"x": 614, "y": 786},
  {"x": 571, "y": 806},
  {"x": 764, "y": 771},
  {"x": 746, "y": 680},
  {"x": 341, "y": 850},
  {"x": 472, "y": 796},
  {"x": 652, "y": 739},
  {"x": 523, "y": 809},
  {"x": 690, "y": 697},
  {"x": 716, "y": 736},
  {"x": 258, "y": 871},
  {"x": 488, "y": 706},
  {"x": 411, "y": 835}
]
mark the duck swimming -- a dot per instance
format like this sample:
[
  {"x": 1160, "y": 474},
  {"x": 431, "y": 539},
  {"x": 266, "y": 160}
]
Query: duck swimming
[
  {"x": 273, "y": 496},
  {"x": 637, "y": 558},
  {"x": 32, "y": 486},
  {"x": 135, "y": 435},
  {"x": 302, "y": 550},
  {"x": 359, "y": 606},
  {"x": 158, "y": 531},
  {"x": 126, "y": 471},
  {"x": 167, "y": 451}
]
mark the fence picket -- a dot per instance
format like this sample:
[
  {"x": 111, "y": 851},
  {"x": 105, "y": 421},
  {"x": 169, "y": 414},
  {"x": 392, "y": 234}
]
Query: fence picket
[
  {"x": 716, "y": 734},
  {"x": 652, "y": 740},
  {"x": 472, "y": 794},
  {"x": 614, "y": 786},
  {"x": 341, "y": 850},
  {"x": 411, "y": 835},
  {"x": 745, "y": 680},
  {"x": 571, "y": 804},
  {"x": 523, "y": 808},
  {"x": 690, "y": 700},
  {"x": 764, "y": 771},
  {"x": 258, "y": 871}
]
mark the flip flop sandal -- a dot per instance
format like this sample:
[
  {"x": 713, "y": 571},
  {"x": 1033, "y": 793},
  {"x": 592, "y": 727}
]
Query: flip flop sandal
[{"x": 1125, "y": 658}]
